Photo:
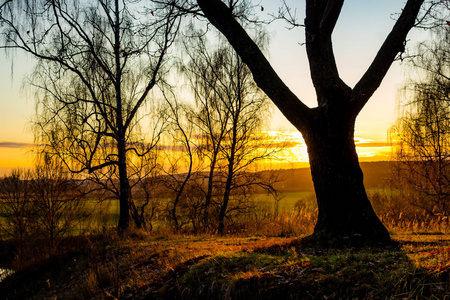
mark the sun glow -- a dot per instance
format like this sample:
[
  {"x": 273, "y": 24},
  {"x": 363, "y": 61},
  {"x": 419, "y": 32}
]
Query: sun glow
[
  {"x": 14, "y": 157},
  {"x": 293, "y": 152}
]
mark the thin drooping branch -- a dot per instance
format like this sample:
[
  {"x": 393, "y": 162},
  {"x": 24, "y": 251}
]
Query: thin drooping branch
[{"x": 167, "y": 43}]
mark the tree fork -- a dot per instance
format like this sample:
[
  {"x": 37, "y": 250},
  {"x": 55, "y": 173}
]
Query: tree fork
[{"x": 328, "y": 130}]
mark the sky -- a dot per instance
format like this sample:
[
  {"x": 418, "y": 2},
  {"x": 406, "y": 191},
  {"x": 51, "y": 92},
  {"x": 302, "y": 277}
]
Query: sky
[{"x": 361, "y": 29}]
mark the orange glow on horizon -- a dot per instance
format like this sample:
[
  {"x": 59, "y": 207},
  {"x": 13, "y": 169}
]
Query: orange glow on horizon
[
  {"x": 14, "y": 157},
  {"x": 297, "y": 156},
  {"x": 294, "y": 155}
]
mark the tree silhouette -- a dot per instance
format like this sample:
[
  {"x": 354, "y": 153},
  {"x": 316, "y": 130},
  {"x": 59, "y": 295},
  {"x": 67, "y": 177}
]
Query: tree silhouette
[
  {"x": 97, "y": 63},
  {"x": 422, "y": 134},
  {"x": 328, "y": 129},
  {"x": 230, "y": 111}
]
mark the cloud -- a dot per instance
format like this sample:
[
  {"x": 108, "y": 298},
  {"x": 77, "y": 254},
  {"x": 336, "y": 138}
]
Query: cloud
[
  {"x": 14, "y": 145},
  {"x": 370, "y": 144}
]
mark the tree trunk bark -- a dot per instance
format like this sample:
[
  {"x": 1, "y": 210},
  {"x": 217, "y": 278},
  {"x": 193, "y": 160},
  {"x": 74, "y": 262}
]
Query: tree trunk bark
[
  {"x": 138, "y": 217},
  {"x": 174, "y": 212},
  {"x": 226, "y": 198},
  {"x": 344, "y": 209},
  {"x": 229, "y": 180},
  {"x": 124, "y": 215},
  {"x": 209, "y": 192}
]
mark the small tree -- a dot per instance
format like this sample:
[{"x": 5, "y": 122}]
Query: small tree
[
  {"x": 144, "y": 184},
  {"x": 422, "y": 134},
  {"x": 41, "y": 204},
  {"x": 229, "y": 113},
  {"x": 16, "y": 208},
  {"x": 209, "y": 116},
  {"x": 179, "y": 160},
  {"x": 56, "y": 201}
]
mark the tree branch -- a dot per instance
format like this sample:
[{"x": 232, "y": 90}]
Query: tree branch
[
  {"x": 321, "y": 18},
  {"x": 330, "y": 16},
  {"x": 393, "y": 44},
  {"x": 264, "y": 75}
]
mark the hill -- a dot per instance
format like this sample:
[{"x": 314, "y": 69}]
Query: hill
[
  {"x": 237, "y": 267},
  {"x": 299, "y": 180}
]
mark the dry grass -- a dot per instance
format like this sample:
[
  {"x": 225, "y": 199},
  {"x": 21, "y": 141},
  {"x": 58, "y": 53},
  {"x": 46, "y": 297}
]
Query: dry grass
[
  {"x": 141, "y": 264},
  {"x": 260, "y": 254},
  {"x": 236, "y": 267}
]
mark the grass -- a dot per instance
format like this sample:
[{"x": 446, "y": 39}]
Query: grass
[
  {"x": 105, "y": 214},
  {"x": 293, "y": 270},
  {"x": 145, "y": 266},
  {"x": 262, "y": 257},
  {"x": 288, "y": 201}
]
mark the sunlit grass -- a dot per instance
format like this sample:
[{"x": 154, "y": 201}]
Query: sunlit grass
[
  {"x": 190, "y": 266},
  {"x": 260, "y": 255}
]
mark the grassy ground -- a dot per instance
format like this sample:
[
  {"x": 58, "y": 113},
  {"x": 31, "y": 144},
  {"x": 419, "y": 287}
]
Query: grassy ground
[
  {"x": 265, "y": 257},
  {"x": 143, "y": 266}
]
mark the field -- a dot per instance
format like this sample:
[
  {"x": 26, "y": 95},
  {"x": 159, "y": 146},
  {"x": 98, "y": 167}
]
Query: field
[{"x": 265, "y": 254}]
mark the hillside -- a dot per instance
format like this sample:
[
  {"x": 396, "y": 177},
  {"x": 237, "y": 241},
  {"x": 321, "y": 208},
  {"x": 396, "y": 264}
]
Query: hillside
[
  {"x": 234, "y": 267},
  {"x": 299, "y": 180}
]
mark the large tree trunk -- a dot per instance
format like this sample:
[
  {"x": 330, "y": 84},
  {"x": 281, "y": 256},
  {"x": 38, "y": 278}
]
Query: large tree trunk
[{"x": 344, "y": 209}]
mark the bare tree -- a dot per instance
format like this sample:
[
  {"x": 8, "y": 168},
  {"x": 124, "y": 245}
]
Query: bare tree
[
  {"x": 209, "y": 117},
  {"x": 328, "y": 129},
  {"x": 229, "y": 113},
  {"x": 144, "y": 173},
  {"x": 16, "y": 208},
  {"x": 41, "y": 204},
  {"x": 422, "y": 134},
  {"x": 179, "y": 160},
  {"x": 97, "y": 64},
  {"x": 56, "y": 199},
  {"x": 247, "y": 108}
]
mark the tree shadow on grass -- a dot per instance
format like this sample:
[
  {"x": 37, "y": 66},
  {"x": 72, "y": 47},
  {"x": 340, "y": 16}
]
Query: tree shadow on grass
[{"x": 305, "y": 269}]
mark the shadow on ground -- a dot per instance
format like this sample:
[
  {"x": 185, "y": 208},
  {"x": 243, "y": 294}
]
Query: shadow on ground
[
  {"x": 305, "y": 270},
  {"x": 186, "y": 267}
]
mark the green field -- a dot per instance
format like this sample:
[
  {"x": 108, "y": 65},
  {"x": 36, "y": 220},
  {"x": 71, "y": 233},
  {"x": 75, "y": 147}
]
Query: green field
[
  {"x": 287, "y": 201},
  {"x": 107, "y": 211}
]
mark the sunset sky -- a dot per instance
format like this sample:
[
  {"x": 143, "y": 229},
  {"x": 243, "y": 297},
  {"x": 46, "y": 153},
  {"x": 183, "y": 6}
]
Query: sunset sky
[{"x": 360, "y": 31}]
